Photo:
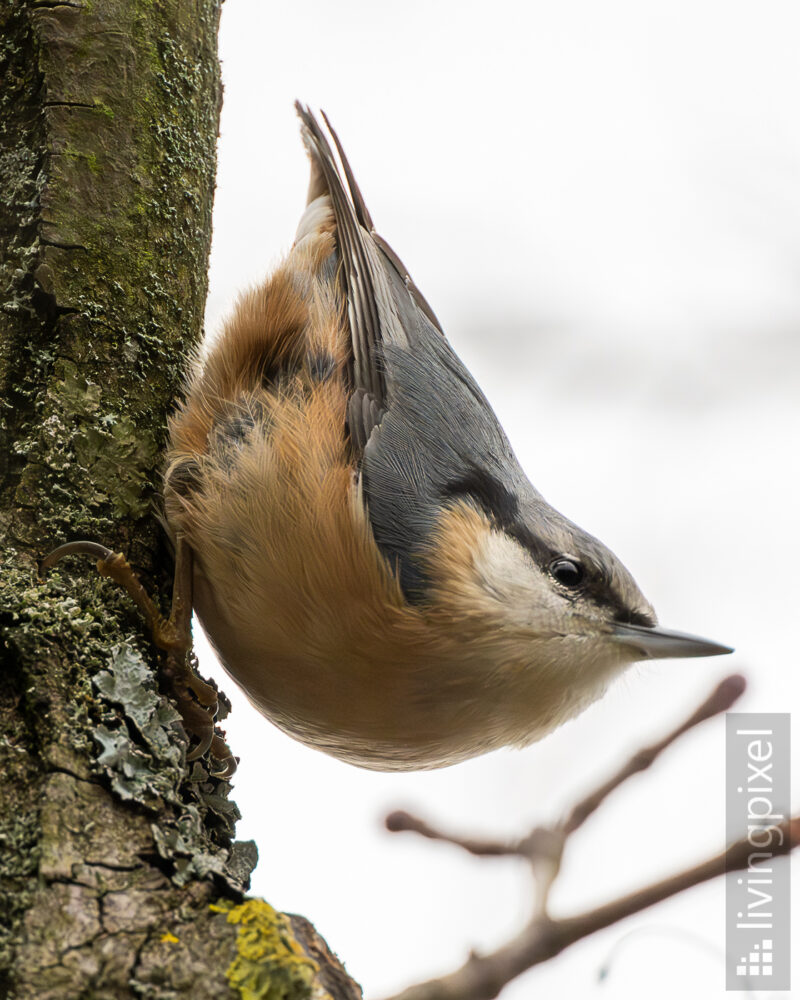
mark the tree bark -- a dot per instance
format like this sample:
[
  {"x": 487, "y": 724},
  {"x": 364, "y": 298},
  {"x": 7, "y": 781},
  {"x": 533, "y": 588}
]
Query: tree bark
[{"x": 119, "y": 876}]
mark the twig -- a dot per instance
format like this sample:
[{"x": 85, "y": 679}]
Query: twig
[
  {"x": 482, "y": 977},
  {"x": 399, "y": 822},
  {"x": 720, "y": 700}
]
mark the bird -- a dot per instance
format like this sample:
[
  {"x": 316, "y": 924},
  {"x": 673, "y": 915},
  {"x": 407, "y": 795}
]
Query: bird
[{"x": 370, "y": 563}]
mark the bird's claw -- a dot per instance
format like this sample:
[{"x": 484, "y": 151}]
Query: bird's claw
[{"x": 173, "y": 635}]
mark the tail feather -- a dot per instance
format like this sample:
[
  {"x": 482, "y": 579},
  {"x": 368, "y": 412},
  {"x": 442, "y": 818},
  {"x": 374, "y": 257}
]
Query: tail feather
[
  {"x": 360, "y": 276},
  {"x": 362, "y": 212}
]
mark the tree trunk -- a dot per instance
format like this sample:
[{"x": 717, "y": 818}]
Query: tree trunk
[{"x": 119, "y": 876}]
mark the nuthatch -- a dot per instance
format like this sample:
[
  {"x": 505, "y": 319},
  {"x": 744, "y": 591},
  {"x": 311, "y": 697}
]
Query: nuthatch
[{"x": 370, "y": 562}]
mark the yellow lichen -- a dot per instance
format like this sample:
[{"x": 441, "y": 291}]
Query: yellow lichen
[
  {"x": 169, "y": 938},
  {"x": 270, "y": 963}
]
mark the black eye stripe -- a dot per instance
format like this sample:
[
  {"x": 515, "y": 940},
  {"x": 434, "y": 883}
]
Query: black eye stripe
[{"x": 491, "y": 496}]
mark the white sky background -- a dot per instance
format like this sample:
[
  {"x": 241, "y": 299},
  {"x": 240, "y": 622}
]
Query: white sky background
[{"x": 601, "y": 203}]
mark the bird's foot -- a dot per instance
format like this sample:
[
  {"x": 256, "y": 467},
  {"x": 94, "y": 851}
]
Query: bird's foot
[{"x": 195, "y": 700}]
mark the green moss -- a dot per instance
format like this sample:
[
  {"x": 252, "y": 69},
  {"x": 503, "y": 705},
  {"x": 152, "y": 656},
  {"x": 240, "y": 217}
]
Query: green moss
[
  {"x": 89, "y": 158},
  {"x": 270, "y": 964},
  {"x": 126, "y": 192},
  {"x": 103, "y": 108}
]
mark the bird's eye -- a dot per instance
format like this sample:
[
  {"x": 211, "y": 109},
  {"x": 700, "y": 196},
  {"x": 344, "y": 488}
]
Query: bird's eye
[{"x": 568, "y": 572}]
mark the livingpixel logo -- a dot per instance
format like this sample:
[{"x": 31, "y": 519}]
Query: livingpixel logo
[
  {"x": 758, "y": 962},
  {"x": 757, "y": 897}
]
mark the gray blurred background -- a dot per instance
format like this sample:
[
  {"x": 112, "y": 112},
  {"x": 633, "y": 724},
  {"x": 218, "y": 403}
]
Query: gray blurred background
[{"x": 601, "y": 203}]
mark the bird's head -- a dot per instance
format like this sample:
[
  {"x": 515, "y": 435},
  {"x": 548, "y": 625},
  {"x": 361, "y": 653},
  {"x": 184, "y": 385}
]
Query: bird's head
[{"x": 547, "y": 592}]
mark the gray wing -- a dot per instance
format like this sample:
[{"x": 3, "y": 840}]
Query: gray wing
[{"x": 422, "y": 429}]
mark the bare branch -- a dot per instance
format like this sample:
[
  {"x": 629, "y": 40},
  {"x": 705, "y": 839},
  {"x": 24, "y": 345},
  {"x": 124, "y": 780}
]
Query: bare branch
[
  {"x": 399, "y": 821},
  {"x": 720, "y": 700},
  {"x": 482, "y": 977}
]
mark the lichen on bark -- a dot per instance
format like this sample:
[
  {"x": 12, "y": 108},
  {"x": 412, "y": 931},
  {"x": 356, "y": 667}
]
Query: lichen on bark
[{"x": 270, "y": 962}]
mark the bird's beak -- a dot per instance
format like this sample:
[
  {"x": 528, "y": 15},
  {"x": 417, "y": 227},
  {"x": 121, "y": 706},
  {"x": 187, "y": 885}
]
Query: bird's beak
[{"x": 660, "y": 644}]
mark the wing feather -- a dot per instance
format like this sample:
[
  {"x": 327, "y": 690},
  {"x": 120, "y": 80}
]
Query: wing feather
[
  {"x": 361, "y": 276},
  {"x": 418, "y": 423}
]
